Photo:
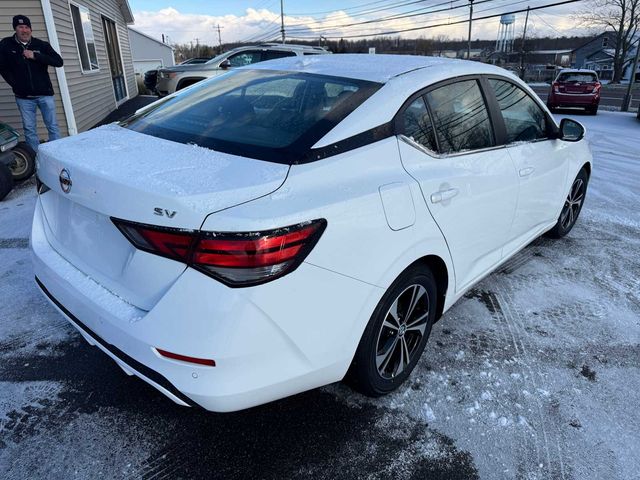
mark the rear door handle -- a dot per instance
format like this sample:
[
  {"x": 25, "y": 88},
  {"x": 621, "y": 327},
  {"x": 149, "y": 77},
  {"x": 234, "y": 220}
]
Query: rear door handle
[
  {"x": 443, "y": 195},
  {"x": 526, "y": 171}
]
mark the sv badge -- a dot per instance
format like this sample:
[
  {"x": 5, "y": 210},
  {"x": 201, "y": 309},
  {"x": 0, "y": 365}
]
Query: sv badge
[{"x": 163, "y": 212}]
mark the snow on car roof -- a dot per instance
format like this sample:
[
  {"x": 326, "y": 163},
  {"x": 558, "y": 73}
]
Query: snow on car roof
[{"x": 374, "y": 68}]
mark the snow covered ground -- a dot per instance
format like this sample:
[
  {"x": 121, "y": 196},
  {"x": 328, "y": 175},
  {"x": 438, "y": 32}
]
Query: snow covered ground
[{"x": 534, "y": 374}]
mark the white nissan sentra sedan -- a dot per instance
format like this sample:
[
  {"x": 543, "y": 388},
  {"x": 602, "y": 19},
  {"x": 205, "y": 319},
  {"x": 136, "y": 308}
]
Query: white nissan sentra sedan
[{"x": 298, "y": 222}]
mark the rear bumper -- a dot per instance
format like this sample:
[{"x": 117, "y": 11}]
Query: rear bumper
[
  {"x": 281, "y": 338},
  {"x": 166, "y": 86},
  {"x": 573, "y": 100}
]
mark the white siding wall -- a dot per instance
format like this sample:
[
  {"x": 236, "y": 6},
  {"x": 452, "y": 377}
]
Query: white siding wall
[{"x": 8, "y": 110}]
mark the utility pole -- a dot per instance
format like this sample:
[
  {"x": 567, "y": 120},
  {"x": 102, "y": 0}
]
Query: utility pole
[
  {"x": 197, "y": 47},
  {"x": 470, "y": 20},
  {"x": 282, "y": 20},
  {"x": 632, "y": 78},
  {"x": 524, "y": 35},
  {"x": 219, "y": 37}
]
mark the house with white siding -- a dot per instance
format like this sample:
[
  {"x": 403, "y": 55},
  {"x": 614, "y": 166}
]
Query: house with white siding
[{"x": 93, "y": 39}]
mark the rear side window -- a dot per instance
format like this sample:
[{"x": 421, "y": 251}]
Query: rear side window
[
  {"x": 418, "y": 126},
  {"x": 577, "y": 77},
  {"x": 460, "y": 116},
  {"x": 273, "y": 54},
  {"x": 524, "y": 120}
]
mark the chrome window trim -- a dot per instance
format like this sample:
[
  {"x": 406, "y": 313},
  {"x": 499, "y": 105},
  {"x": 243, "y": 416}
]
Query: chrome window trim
[{"x": 441, "y": 156}]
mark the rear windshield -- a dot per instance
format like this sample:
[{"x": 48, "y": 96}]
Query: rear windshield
[
  {"x": 263, "y": 114},
  {"x": 577, "y": 77}
]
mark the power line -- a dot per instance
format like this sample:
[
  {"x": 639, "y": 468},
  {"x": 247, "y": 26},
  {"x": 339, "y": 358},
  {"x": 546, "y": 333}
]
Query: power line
[
  {"x": 365, "y": 11},
  {"x": 398, "y": 16},
  {"x": 393, "y": 32},
  {"x": 547, "y": 24},
  {"x": 313, "y": 33}
]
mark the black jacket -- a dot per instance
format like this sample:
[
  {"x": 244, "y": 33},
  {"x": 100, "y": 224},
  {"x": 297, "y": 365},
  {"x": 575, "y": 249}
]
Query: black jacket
[{"x": 28, "y": 78}]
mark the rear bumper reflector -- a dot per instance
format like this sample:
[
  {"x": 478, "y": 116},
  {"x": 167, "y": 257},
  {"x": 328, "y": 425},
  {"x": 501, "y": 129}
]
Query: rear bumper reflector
[
  {"x": 123, "y": 357},
  {"x": 184, "y": 358}
]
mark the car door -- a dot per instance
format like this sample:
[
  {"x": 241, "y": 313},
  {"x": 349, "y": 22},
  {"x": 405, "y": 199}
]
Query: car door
[
  {"x": 469, "y": 184},
  {"x": 540, "y": 160}
]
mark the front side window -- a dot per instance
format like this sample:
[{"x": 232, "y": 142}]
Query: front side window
[
  {"x": 460, "y": 116},
  {"x": 524, "y": 120},
  {"x": 245, "y": 58},
  {"x": 418, "y": 126},
  {"x": 269, "y": 115},
  {"x": 84, "y": 37}
]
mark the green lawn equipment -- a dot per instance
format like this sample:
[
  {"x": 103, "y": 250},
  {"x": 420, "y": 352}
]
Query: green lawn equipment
[{"x": 17, "y": 159}]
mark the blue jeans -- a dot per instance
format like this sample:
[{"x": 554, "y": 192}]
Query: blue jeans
[{"x": 28, "y": 109}]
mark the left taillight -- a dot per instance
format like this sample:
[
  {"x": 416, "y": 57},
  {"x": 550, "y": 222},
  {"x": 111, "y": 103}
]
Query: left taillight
[{"x": 237, "y": 259}]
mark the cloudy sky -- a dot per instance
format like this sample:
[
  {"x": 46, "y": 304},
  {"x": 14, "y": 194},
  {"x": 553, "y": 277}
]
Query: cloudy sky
[{"x": 252, "y": 21}]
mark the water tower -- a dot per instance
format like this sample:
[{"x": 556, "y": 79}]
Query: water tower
[{"x": 506, "y": 33}]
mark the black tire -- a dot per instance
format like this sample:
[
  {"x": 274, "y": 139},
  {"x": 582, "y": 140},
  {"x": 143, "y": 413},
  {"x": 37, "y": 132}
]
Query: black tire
[
  {"x": 25, "y": 162},
  {"x": 551, "y": 108},
  {"x": 572, "y": 206},
  {"x": 6, "y": 180},
  {"x": 592, "y": 110},
  {"x": 389, "y": 350}
]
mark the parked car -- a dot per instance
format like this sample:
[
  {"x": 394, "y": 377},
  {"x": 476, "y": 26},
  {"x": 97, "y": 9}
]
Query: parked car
[
  {"x": 575, "y": 88},
  {"x": 171, "y": 79},
  {"x": 151, "y": 76},
  {"x": 295, "y": 223}
]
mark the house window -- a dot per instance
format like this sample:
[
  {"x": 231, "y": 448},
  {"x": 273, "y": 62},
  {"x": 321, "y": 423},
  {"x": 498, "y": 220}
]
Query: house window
[
  {"x": 605, "y": 42},
  {"x": 84, "y": 37}
]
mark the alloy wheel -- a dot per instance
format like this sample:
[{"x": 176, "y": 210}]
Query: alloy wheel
[
  {"x": 402, "y": 331},
  {"x": 572, "y": 204}
]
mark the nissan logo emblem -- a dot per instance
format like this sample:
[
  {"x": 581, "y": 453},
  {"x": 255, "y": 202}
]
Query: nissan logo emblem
[{"x": 65, "y": 180}]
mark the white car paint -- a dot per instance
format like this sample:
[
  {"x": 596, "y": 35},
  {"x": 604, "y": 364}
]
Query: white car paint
[{"x": 387, "y": 203}]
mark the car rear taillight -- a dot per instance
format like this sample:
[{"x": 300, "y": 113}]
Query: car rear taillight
[
  {"x": 237, "y": 259},
  {"x": 597, "y": 87},
  {"x": 556, "y": 87}
]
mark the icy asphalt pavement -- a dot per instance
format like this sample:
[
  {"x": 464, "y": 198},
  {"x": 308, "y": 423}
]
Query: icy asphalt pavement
[{"x": 533, "y": 375}]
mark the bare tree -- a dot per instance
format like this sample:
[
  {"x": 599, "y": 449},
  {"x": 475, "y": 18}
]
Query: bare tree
[{"x": 621, "y": 16}]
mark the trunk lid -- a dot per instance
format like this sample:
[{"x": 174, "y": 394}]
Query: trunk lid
[
  {"x": 116, "y": 172},
  {"x": 579, "y": 87}
]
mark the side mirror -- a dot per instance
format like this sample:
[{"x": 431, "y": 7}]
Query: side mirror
[
  {"x": 570, "y": 130},
  {"x": 225, "y": 64}
]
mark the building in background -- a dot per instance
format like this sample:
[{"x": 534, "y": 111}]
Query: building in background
[
  {"x": 93, "y": 40},
  {"x": 148, "y": 54}
]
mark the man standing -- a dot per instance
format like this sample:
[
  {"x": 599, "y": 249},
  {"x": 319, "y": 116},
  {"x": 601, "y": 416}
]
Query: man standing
[{"x": 24, "y": 63}]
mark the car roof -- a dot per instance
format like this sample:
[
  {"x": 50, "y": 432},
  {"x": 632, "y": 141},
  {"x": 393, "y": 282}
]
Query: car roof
[{"x": 375, "y": 67}]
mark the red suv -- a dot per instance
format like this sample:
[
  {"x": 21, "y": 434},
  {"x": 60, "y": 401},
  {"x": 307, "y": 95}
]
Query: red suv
[{"x": 575, "y": 88}]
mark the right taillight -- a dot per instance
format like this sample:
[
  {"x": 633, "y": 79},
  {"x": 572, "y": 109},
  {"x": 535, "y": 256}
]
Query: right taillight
[
  {"x": 238, "y": 259},
  {"x": 597, "y": 87},
  {"x": 556, "y": 87}
]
